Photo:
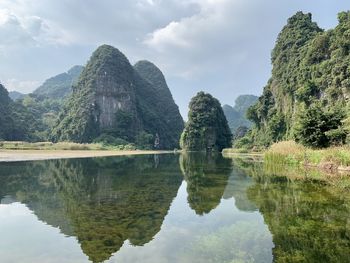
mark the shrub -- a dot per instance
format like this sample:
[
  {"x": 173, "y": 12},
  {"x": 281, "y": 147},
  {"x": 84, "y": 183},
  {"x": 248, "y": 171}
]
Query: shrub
[
  {"x": 107, "y": 139},
  {"x": 144, "y": 141},
  {"x": 317, "y": 127}
]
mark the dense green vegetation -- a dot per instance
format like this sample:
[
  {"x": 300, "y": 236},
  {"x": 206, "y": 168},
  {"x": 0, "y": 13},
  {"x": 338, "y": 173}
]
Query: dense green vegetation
[
  {"x": 114, "y": 100},
  {"x": 306, "y": 97},
  {"x": 207, "y": 127},
  {"x": 16, "y": 122},
  {"x": 39, "y": 109}
]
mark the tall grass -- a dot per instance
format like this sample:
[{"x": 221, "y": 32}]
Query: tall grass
[{"x": 291, "y": 153}]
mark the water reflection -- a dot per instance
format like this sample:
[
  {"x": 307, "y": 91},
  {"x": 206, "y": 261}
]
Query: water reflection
[
  {"x": 168, "y": 208},
  {"x": 102, "y": 202},
  {"x": 206, "y": 175},
  {"x": 309, "y": 220}
]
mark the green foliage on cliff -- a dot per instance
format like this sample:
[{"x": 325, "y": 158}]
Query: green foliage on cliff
[
  {"x": 310, "y": 68},
  {"x": 319, "y": 126},
  {"x": 156, "y": 106},
  {"x": 207, "y": 127}
]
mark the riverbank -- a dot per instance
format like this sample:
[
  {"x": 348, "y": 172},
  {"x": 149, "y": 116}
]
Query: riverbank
[
  {"x": 21, "y": 145},
  {"x": 258, "y": 167},
  {"x": 35, "y": 155},
  {"x": 291, "y": 153}
]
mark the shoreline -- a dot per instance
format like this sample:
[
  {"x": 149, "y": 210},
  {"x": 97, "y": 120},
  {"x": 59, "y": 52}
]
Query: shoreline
[{"x": 39, "y": 155}]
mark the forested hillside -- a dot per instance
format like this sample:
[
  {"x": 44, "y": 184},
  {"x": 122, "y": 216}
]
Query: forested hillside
[
  {"x": 16, "y": 122},
  {"x": 306, "y": 98},
  {"x": 45, "y": 102}
]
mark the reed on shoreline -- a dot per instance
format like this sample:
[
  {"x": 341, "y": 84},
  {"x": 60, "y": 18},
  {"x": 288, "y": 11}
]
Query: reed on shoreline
[{"x": 291, "y": 153}]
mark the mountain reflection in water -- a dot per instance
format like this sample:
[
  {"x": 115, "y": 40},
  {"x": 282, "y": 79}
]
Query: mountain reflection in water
[{"x": 167, "y": 208}]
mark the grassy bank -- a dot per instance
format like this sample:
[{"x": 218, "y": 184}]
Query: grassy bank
[
  {"x": 291, "y": 153},
  {"x": 7, "y": 145},
  {"x": 338, "y": 180}
]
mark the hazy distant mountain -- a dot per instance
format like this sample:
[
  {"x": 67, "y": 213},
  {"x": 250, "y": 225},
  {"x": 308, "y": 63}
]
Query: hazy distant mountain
[
  {"x": 236, "y": 116},
  {"x": 60, "y": 85},
  {"x": 15, "y": 95}
]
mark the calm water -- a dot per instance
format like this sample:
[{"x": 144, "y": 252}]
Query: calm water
[{"x": 167, "y": 208}]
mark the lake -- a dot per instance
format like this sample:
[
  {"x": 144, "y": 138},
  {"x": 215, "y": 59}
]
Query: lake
[{"x": 167, "y": 208}]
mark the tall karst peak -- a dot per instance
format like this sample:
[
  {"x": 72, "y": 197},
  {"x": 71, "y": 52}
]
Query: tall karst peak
[
  {"x": 310, "y": 71},
  {"x": 152, "y": 74},
  {"x": 113, "y": 98}
]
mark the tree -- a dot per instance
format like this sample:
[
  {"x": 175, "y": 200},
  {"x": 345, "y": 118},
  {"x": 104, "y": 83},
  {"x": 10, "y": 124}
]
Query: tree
[{"x": 318, "y": 126}]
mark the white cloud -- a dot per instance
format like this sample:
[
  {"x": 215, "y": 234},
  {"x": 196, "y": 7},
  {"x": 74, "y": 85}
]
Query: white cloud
[
  {"x": 24, "y": 86},
  {"x": 18, "y": 31},
  {"x": 221, "y": 46},
  {"x": 12, "y": 31}
]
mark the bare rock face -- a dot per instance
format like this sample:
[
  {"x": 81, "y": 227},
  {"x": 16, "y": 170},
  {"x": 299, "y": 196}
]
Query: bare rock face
[
  {"x": 114, "y": 98},
  {"x": 114, "y": 89}
]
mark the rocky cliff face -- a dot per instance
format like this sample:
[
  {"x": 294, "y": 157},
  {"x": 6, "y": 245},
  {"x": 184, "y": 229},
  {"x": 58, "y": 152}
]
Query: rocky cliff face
[
  {"x": 112, "y": 97},
  {"x": 113, "y": 88}
]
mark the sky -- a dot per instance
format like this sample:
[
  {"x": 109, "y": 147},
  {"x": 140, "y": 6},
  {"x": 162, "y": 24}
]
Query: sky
[{"x": 219, "y": 46}]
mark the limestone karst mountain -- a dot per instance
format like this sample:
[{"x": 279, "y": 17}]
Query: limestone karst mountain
[
  {"x": 307, "y": 95},
  {"x": 166, "y": 105},
  {"x": 207, "y": 127},
  {"x": 112, "y": 98}
]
